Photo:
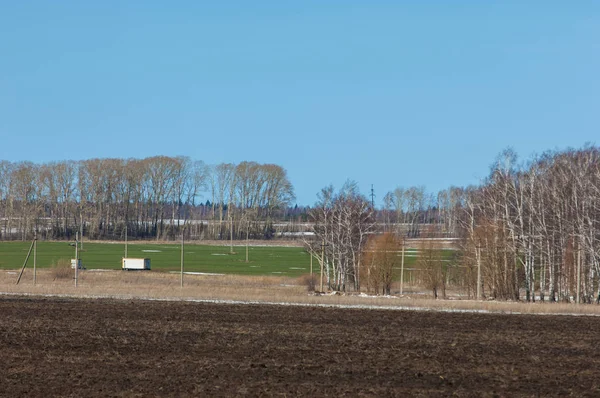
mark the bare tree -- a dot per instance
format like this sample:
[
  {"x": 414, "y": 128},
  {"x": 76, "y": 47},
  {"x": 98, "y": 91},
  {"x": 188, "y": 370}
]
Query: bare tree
[
  {"x": 381, "y": 258},
  {"x": 433, "y": 267},
  {"x": 342, "y": 222}
]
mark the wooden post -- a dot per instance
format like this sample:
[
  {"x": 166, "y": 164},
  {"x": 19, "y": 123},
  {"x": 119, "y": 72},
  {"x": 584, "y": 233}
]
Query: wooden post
[
  {"x": 247, "y": 235},
  {"x": 76, "y": 257},
  {"x": 478, "y": 273},
  {"x": 125, "y": 241},
  {"x": 25, "y": 263},
  {"x": 182, "y": 250},
  {"x": 578, "y": 298},
  {"x": 402, "y": 267},
  {"x": 35, "y": 258},
  {"x": 311, "y": 267},
  {"x": 81, "y": 228},
  {"x": 322, "y": 262},
  {"x": 230, "y": 234}
]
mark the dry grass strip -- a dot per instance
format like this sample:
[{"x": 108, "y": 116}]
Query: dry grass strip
[{"x": 267, "y": 289}]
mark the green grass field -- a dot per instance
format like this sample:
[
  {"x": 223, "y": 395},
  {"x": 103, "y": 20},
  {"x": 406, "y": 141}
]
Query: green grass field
[
  {"x": 284, "y": 261},
  {"x": 263, "y": 260}
]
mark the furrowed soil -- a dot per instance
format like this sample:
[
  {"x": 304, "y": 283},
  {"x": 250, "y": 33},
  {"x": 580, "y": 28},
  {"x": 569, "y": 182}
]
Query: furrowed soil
[{"x": 79, "y": 347}]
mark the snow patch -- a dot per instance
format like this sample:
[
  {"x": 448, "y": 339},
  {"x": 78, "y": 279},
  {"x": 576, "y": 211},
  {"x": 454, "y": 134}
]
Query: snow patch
[
  {"x": 375, "y": 296},
  {"x": 292, "y": 304},
  {"x": 197, "y": 273}
]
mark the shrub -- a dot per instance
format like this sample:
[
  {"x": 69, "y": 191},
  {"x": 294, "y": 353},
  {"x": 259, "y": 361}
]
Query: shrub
[
  {"x": 310, "y": 281},
  {"x": 61, "y": 269}
]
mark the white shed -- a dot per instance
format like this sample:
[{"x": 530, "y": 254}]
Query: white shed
[{"x": 135, "y": 264}]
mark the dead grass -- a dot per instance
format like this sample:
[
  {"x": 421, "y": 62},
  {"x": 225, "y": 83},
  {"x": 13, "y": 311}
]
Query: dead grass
[
  {"x": 159, "y": 285},
  {"x": 61, "y": 269},
  {"x": 308, "y": 280}
]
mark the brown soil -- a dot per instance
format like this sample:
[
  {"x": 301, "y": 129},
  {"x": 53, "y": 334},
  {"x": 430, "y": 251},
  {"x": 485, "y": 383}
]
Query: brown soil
[{"x": 72, "y": 347}]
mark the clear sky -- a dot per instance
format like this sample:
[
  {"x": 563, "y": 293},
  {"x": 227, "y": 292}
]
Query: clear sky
[{"x": 390, "y": 93}]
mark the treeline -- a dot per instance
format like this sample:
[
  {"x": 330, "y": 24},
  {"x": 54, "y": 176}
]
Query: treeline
[
  {"x": 413, "y": 212},
  {"x": 153, "y": 197},
  {"x": 537, "y": 226},
  {"x": 359, "y": 246},
  {"x": 530, "y": 227}
]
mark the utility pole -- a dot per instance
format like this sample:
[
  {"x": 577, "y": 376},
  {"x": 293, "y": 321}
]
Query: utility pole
[
  {"x": 478, "y": 273},
  {"x": 247, "y": 235},
  {"x": 231, "y": 235},
  {"x": 35, "y": 257},
  {"x": 81, "y": 228},
  {"x": 402, "y": 267},
  {"x": 578, "y": 299},
  {"x": 25, "y": 263},
  {"x": 76, "y": 257},
  {"x": 125, "y": 241},
  {"x": 182, "y": 251},
  {"x": 372, "y": 197},
  {"x": 322, "y": 262}
]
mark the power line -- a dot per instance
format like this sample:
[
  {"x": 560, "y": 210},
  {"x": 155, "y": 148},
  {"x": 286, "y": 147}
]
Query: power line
[{"x": 372, "y": 197}]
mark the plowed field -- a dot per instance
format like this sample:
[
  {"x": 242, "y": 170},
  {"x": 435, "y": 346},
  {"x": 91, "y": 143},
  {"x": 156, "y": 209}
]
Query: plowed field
[{"x": 86, "y": 348}]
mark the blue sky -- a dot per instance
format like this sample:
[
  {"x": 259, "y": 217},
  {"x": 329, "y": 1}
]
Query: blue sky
[{"x": 390, "y": 93}]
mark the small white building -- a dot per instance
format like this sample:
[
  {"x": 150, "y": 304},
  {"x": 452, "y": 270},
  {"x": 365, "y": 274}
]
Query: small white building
[{"x": 135, "y": 264}]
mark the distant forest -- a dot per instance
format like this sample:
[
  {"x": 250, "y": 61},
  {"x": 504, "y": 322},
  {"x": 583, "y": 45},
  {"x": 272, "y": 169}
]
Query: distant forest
[
  {"x": 154, "y": 198},
  {"x": 532, "y": 224}
]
